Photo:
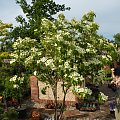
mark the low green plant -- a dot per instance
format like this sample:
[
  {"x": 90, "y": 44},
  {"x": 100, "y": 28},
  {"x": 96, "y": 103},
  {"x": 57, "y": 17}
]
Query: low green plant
[
  {"x": 10, "y": 114},
  {"x": 1, "y": 111},
  {"x": 82, "y": 92},
  {"x": 102, "y": 98}
]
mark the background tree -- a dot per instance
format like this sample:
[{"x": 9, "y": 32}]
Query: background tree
[
  {"x": 5, "y": 41},
  {"x": 117, "y": 38},
  {"x": 68, "y": 51},
  {"x": 34, "y": 12},
  {"x": 116, "y": 42},
  {"x": 4, "y": 53},
  {"x": 6, "y": 70}
]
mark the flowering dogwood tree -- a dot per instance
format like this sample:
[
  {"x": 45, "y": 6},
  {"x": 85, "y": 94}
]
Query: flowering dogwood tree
[{"x": 68, "y": 51}]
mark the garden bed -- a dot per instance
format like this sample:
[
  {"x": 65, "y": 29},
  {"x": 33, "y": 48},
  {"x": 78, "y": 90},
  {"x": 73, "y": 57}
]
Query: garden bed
[{"x": 102, "y": 114}]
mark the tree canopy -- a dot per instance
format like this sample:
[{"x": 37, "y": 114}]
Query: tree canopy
[
  {"x": 117, "y": 38},
  {"x": 34, "y": 12},
  {"x": 116, "y": 42},
  {"x": 68, "y": 51}
]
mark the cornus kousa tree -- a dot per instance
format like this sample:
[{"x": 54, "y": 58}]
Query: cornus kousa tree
[{"x": 68, "y": 51}]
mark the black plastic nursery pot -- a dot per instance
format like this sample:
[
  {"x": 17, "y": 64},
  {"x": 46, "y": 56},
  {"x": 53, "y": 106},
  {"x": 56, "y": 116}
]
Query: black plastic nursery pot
[{"x": 22, "y": 113}]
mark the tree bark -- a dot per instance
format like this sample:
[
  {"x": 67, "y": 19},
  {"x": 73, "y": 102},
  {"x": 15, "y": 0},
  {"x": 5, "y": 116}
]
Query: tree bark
[{"x": 55, "y": 95}]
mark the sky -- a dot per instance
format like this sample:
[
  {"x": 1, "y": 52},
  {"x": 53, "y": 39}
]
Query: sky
[{"x": 107, "y": 13}]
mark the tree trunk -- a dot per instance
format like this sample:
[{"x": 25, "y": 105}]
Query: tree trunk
[
  {"x": 55, "y": 95},
  {"x": 63, "y": 107}
]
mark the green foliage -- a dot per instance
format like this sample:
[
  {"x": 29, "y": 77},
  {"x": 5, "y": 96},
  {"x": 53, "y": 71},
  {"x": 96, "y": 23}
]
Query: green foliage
[
  {"x": 17, "y": 87},
  {"x": 5, "y": 41},
  {"x": 117, "y": 45},
  {"x": 68, "y": 51},
  {"x": 1, "y": 110},
  {"x": 3, "y": 30},
  {"x": 13, "y": 88},
  {"x": 108, "y": 74},
  {"x": 102, "y": 98},
  {"x": 5, "y": 48},
  {"x": 11, "y": 114},
  {"x": 43, "y": 91},
  {"x": 4, "y": 55},
  {"x": 82, "y": 93},
  {"x": 99, "y": 77},
  {"x": 4, "y": 71},
  {"x": 117, "y": 38},
  {"x": 34, "y": 12}
]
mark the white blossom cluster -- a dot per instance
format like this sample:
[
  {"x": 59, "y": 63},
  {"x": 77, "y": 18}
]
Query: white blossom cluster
[
  {"x": 82, "y": 92},
  {"x": 90, "y": 48},
  {"x": 29, "y": 60},
  {"x": 102, "y": 97},
  {"x": 15, "y": 79},
  {"x": 47, "y": 24},
  {"x": 48, "y": 62},
  {"x": 25, "y": 50},
  {"x": 107, "y": 57},
  {"x": 76, "y": 76},
  {"x": 66, "y": 64},
  {"x": 22, "y": 43},
  {"x": 15, "y": 86}
]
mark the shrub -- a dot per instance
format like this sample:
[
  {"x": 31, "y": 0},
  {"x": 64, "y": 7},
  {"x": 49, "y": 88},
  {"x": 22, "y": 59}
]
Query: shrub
[{"x": 11, "y": 114}]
